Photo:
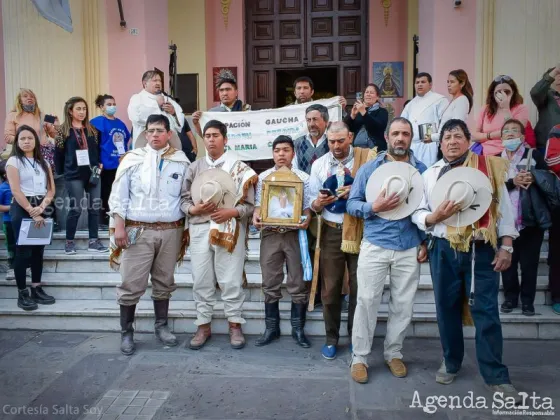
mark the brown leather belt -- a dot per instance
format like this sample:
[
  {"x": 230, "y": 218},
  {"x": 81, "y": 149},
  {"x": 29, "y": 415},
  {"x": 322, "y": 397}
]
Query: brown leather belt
[
  {"x": 333, "y": 224},
  {"x": 157, "y": 225}
]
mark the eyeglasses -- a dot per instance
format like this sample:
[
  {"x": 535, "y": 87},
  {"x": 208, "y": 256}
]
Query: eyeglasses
[
  {"x": 512, "y": 131},
  {"x": 502, "y": 78},
  {"x": 152, "y": 131}
]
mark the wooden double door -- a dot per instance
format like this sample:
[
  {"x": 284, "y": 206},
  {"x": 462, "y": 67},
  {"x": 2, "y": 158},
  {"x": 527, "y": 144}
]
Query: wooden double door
[{"x": 285, "y": 35}]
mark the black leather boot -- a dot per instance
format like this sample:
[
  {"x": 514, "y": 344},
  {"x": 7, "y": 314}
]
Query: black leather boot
[
  {"x": 161, "y": 329},
  {"x": 127, "y": 330},
  {"x": 299, "y": 311},
  {"x": 39, "y": 296},
  {"x": 25, "y": 302},
  {"x": 272, "y": 324}
]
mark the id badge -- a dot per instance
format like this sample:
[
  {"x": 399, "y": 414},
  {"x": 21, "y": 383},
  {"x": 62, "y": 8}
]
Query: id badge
[
  {"x": 83, "y": 157},
  {"x": 120, "y": 147},
  {"x": 39, "y": 184}
]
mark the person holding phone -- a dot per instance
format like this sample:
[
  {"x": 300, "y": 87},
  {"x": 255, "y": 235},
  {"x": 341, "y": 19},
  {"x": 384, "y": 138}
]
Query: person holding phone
[
  {"x": 26, "y": 111},
  {"x": 32, "y": 184},
  {"x": 527, "y": 247},
  {"x": 368, "y": 120},
  {"x": 77, "y": 157},
  {"x": 503, "y": 103},
  {"x": 113, "y": 145}
]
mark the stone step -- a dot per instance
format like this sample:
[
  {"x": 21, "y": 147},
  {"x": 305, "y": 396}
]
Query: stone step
[
  {"x": 91, "y": 286},
  {"x": 82, "y": 238},
  {"x": 103, "y": 315}
]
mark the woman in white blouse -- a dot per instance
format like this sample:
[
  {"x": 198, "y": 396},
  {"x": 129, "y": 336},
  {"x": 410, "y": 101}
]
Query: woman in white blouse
[
  {"x": 461, "y": 91},
  {"x": 32, "y": 184}
]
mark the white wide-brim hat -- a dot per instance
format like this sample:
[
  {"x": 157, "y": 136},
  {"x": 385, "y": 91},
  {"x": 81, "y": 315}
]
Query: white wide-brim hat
[
  {"x": 468, "y": 187},
  {"x": 400, "y": 178},
  {"x": 174, "y": 141},
  {"x": 215, "y": 185}
]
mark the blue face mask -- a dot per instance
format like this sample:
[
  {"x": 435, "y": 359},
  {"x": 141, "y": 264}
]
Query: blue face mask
[
  {"x": 512, "y": 144},
  {"x": 111, "y": 110}
]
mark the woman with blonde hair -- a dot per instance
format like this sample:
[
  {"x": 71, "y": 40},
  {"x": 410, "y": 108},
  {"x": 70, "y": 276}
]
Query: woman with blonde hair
[
  {"x": 77, "y": 158},
  {"x": 26, "y": 111}
]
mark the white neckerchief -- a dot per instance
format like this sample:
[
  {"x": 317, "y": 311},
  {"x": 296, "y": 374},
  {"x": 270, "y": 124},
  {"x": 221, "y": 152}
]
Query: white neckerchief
[
  {"x": 149, "y": 170},
  {"x": 218, "y": 163}
]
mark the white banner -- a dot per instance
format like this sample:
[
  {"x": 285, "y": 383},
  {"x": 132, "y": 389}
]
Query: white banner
[{"x": 251, "y": 133}]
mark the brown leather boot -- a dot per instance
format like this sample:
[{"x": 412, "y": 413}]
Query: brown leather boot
[
  {"x": 236, "y": 336},
  {"x": 203, "y": 334}
]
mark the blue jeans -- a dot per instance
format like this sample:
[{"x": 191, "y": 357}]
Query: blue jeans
[
  {"x": 451, "y": 277},
  {"x": 77, "y": 200}
]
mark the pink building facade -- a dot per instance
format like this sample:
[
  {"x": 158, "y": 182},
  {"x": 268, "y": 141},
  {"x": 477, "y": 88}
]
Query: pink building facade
[{"x": 214, "y": 33}]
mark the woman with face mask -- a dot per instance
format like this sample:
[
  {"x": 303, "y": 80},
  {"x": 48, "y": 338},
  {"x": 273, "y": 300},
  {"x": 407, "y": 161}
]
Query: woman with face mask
[
  {"x": 113, "y": 144},
  {"x": 26, "y": 112},
  {"x": 527, "y": 247}
]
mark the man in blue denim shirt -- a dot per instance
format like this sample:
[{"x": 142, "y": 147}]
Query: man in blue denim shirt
[{"x": 388, "y": 246}]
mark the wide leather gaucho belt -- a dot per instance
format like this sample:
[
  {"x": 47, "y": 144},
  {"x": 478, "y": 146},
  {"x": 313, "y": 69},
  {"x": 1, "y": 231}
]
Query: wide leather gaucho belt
[{"x": 157, "y": 225}]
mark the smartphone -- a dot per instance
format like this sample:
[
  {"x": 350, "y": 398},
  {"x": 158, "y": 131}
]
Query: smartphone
[
  {"x": 359, "y": 96},
  {"x": 326, "y": 191},
  {"x": 50, "y": 119}
]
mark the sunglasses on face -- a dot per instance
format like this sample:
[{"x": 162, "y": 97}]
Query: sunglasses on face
[{"x": 502, "y": 78}]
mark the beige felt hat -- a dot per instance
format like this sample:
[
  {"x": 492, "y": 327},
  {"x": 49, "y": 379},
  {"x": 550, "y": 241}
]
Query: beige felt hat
[
  {"x": 468, "y": 187},
  {"x": 214, "y": 185},
  {"x": 174, "y": 141},
  {"x": 398, "y": 178}
]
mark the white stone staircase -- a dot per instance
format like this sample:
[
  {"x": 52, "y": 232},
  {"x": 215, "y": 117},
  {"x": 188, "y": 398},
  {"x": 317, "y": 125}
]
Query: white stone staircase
[{"x": 84, "y": 287}]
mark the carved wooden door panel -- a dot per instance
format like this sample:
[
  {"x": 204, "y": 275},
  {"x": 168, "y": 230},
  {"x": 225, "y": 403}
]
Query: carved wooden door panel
[
  {"x": 274, "y": 30},
  {"x": 295, "y": 34},
  {"x": 337, "y": 35}
]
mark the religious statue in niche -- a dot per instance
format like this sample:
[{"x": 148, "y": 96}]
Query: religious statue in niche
[
  {"x": 389, "y": 76},
  {"x": 222, "y": 73}
]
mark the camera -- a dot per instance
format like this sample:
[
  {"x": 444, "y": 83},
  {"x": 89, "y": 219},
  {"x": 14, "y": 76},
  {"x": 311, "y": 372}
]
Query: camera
[
  {"x": 95, "y": 175},
  {"x": 457, "y": 3}
]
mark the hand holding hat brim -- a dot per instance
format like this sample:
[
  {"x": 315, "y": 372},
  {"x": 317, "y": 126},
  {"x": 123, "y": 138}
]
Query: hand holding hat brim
[
  {"x": 410, "y": 188},
  {"x": 477, "y": 204}
]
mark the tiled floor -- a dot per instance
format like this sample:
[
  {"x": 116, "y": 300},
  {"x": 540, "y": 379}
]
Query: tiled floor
[{"x": 118, "y": 404}]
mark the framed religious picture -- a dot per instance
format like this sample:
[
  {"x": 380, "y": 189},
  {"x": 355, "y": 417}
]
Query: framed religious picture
[
  {"x": 281, "y": 201},
  {"x": 389, "y": 76}
]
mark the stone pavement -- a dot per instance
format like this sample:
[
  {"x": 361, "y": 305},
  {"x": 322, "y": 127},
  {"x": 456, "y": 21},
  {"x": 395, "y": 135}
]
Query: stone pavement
[{"x": 52, "y": 375}]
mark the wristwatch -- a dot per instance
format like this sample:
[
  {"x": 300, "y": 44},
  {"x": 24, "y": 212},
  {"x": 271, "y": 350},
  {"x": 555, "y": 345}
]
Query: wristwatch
[{"x": 508, "y": 249}]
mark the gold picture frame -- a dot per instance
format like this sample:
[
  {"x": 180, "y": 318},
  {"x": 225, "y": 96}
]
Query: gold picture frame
[{"x": 282, "y": 197}]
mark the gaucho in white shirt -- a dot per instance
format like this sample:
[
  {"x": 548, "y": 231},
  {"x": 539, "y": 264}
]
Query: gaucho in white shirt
[
  {"x": 452, "y": 268},
  {"x": 333, "y": 260},
  {"x": 148, "y": 226}
]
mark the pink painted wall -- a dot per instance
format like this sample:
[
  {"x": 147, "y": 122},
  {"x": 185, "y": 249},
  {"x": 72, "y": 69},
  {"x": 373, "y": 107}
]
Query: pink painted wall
[
  {"x": 447, "y": 40},
  {"x": 224, "y": 47},
  {"x": 129, "y": 55},
  {"x": 388, "y": 43},
  {"x": 2, "y": 76}
]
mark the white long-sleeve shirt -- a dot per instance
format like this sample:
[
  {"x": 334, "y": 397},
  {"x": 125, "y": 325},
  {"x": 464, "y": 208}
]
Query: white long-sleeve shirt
[
  {"x": 321, "y": 169},
  {"x": 421, "y": 110},
  {"x": 144, "y": 104},
  {"x": 130, "y": 202},
  {"x": 506, "y": 224},
  {"x": 457, "y": 109}
]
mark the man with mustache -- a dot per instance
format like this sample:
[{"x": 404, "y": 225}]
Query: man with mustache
[
  {"x": 333, "y": 261},
  {"x": 393, "y": 247},
  {"x": 312, "y": 146},
  {"x": 152, "y": 101}
]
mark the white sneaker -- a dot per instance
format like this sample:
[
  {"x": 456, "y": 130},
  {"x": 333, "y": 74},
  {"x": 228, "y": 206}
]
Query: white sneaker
[
  {"x": 507, "y": 391},
  {"x": 443, "y": 377},
  {"x": 28, "y": 272},
  {"x": 10, "y": 275}
]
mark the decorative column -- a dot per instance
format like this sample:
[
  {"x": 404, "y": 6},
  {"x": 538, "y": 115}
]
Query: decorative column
[{"x": 485, "y": 19}]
